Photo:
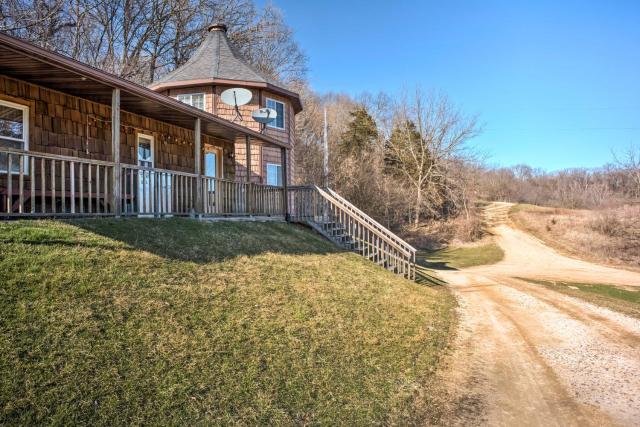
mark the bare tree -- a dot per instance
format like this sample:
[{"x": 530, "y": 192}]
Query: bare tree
[
  {"x": 629, "y": 162},
  {"x": 142, "y": 39},
  {"x": 429, "y": 135}
]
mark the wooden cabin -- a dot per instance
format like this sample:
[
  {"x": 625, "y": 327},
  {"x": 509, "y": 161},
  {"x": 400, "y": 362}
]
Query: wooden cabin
[{"x": 75, "y": 140}]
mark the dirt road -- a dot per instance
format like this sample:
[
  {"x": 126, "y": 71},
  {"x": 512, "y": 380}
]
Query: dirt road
[{"x": 529, "y": 356}]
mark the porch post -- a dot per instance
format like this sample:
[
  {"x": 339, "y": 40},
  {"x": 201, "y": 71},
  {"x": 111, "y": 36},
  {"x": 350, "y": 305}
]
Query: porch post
[
  {"x": 115, "y": 149},
  {"x": 247, "y": 143},
  {"x": 197, "y": 156},
  {"x": 285, "y": 185}
]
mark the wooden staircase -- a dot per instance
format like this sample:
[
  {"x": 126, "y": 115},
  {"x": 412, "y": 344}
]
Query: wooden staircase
[{"x": 344, "y": 224}]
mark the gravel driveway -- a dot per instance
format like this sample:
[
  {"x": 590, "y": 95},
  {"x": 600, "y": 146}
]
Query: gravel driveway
[{"x": 529, "y": 356}]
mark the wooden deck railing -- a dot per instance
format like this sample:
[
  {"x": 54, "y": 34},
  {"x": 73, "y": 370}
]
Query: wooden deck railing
[
  {"x": 226, "y": 197},
  {"x": 151, "y": 191},
  {"x": 350, "y": 228},
  {"x": 36, "y": 184},
  {"x": 50, "y": 185}
]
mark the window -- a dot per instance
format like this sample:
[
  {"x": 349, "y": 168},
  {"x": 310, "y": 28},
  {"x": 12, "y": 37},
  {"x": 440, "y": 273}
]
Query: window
[
  {"x": 193, "y": 99},
  {"x": 145, "y": 150},
  {"x": 278, "y": 123},
  {"x": 14, "y": 133},
  {"x": 274, "y": 174}
]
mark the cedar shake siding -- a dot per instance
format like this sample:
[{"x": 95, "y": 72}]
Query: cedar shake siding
[
  {"x": 67, "y": 125},
  {"x": 260, "y": 154}
]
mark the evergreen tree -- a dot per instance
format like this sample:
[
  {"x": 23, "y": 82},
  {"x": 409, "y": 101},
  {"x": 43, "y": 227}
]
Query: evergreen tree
[
  {"x": 361, "y": 133},
  {"x": 403, "y": 135}
]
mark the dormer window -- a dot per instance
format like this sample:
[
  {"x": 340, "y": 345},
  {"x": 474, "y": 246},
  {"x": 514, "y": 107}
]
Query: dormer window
[
  {"x": 193, "y": 99},
  {"x": 279, "y": 122}
]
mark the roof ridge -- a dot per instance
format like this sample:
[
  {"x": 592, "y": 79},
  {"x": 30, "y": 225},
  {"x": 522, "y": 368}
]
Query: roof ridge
[{"x": 217, "y": 59}]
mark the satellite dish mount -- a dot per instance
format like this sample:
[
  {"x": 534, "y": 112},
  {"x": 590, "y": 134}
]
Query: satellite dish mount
[
  {"x": 235, "y": 97},
  {"x": 264, "y": 116}
]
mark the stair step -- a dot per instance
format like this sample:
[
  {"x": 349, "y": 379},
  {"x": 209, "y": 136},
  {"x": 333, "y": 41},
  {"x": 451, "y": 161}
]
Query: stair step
[
  {"x": 335, "y": 228},
  {"x": 341, "y": 235}
]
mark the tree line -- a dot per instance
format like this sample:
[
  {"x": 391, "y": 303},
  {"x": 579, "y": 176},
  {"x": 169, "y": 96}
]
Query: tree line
[
  {"x": 141, "y": 40},
  {"x": 607, "y": 186},
  {"x": 410, "y": 160},
  {"x": 403, "y": 160}
]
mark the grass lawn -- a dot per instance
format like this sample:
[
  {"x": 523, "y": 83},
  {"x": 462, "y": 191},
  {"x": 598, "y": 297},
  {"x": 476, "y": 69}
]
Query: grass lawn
[
  {"x": 141, "y": 321},
  {"x": 625, "y": 300},
  {"x": 462, "y": 257}
]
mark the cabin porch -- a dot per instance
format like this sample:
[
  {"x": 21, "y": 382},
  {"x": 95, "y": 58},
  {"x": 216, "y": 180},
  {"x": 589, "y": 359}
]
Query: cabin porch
[
  {"x": 75, "y": 141},
  {"x": 44, "y": 185}
]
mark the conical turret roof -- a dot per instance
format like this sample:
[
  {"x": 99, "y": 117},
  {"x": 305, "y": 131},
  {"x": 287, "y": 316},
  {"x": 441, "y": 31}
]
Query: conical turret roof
[{"x": 218, "y": 61}]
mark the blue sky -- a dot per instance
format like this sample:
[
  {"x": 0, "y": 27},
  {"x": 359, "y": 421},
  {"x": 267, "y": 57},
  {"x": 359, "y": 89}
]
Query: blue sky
[{"x": 556, "y": 83}]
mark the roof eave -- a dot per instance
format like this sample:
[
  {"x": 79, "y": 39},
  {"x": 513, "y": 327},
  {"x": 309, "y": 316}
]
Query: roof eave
[{"x": 294, "y": 97}]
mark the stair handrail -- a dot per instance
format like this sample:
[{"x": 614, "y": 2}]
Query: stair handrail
[
  {"x": 400, "y": 255},
  {"x": 373, "y": 222},
  {"x": 409, "y": 252}
]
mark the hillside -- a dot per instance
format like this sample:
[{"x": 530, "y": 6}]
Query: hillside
[{"x": 182, "y": 322}]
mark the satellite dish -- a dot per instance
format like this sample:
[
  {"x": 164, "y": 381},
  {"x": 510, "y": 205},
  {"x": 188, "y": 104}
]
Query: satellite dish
[
  {"x": 236, "y": 96},
  {"x": 264, "y": 115}
]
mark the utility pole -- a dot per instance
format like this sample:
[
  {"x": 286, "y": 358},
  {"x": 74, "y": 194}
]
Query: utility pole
[{"x": 325, "y": 141}]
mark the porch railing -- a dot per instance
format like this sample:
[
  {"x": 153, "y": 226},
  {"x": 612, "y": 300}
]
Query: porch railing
[
  {"x": 151, "y": 191},
  {"x": 37, "y": 184},
  {"x": 50, "y": 185}
]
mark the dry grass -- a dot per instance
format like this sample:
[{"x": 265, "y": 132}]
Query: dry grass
[
  {"x": 178, "y": 322},
  {"x": 436, "y": 234},
  {"x": 610, "y": 236}
]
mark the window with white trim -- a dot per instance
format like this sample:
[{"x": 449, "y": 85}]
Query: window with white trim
[
  {"x": 274, "y": 174},
  {"x": 14, "y": 133},
  {"x": 193, "y": 99},
  {"x": 279, "y": 122}
]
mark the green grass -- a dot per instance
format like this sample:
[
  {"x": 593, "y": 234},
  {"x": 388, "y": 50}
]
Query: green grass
[
  {"x": 626, "y": 300},
  {"x": 463, "y": 257},
  {"x": 111, "y": 322}
]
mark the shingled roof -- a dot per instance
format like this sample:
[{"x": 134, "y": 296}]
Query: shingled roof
[{"x": 218, "y": 61}]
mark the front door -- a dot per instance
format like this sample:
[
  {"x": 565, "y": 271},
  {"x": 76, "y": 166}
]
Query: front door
[{"x": 146, "y": 179}]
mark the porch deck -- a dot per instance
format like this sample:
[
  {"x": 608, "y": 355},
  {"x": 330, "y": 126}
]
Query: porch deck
[{"x": 45, "y": 185}]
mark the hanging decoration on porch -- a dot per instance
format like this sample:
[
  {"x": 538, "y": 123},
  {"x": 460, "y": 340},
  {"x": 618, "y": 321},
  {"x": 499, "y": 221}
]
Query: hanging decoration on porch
[
  {"x": 163, "y": 137},
  {"x": 236, "y": 97}
]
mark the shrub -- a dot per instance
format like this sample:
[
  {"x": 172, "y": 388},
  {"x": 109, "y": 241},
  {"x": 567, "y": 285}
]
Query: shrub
[{"x": 608, "y": 224}]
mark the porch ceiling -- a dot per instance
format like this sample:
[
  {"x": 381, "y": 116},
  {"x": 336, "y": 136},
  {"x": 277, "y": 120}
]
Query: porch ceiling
[{"x": 24, "y": 61}]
